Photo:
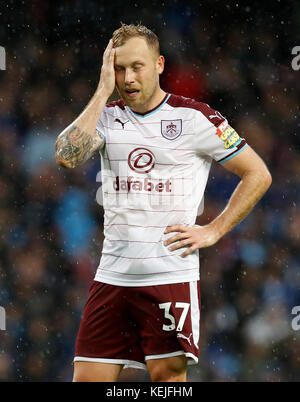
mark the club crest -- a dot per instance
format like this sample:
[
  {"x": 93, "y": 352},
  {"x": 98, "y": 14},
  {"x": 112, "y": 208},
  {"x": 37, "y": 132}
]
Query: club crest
[{"x": 171, "y": 129}]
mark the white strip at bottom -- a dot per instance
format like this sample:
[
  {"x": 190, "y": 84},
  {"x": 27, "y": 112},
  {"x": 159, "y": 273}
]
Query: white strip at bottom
[
  {"x": 127, "y": 363},
  {"x": 195, "y": 312},
  {"x": 193, "y": 359},
  {"x": 134, "y": 364}
]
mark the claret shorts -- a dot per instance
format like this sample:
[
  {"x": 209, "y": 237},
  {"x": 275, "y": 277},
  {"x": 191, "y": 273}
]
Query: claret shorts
[{"x": 130, "y": 325}]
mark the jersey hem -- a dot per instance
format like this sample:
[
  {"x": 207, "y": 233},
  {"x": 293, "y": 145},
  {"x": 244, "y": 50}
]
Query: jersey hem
[{"x": 119, "y": 282}]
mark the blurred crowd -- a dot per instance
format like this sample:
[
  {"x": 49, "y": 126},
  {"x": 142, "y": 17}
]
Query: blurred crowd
[{"x": 237, "y": 59}]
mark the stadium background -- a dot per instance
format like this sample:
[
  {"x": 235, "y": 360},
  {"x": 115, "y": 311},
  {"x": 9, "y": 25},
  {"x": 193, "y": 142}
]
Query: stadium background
[{"x": 236, "y": 57}]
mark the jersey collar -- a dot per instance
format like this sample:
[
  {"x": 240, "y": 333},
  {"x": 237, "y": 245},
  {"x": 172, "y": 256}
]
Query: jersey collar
[{"x": 152, "y": 110}]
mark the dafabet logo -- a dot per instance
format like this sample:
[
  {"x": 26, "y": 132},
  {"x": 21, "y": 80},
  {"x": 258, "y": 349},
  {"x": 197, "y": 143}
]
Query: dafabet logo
[{"x": 2, "y": 58}]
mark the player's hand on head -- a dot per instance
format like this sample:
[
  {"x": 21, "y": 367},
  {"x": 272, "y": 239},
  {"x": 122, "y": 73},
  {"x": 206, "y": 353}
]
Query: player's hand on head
[
  {"x": 107, "y": 77},
  {"x": 192, "y": 237}
]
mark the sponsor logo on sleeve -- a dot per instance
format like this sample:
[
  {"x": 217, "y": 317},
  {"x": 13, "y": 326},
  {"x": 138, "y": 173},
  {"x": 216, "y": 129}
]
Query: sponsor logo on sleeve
[{"x": 228, "y": 135}]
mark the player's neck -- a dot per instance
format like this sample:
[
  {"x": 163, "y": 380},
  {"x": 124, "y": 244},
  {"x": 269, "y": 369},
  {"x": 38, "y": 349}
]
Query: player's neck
[{"x": 155, "y": 101}]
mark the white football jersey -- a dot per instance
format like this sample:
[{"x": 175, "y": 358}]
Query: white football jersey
[{"x": 154, "y": 171}]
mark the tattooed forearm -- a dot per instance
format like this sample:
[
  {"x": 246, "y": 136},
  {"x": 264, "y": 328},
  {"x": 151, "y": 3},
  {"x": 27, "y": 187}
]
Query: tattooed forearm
[{"x": 74, "y": 147}]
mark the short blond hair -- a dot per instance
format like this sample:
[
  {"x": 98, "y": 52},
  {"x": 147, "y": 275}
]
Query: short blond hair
[{"x": 125, "y": 32}]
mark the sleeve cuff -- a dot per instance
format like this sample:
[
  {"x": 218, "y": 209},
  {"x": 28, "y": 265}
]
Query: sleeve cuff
[
  {"x": 101, "y": 134},
  {"x": 239, "y": 149}
]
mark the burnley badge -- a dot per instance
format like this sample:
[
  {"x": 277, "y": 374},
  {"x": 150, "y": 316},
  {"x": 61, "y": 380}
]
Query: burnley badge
[{"x": 171, "y": 129}]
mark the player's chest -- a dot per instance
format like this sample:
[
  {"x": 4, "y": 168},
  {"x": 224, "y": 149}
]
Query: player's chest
[{"x": 163, "y": 140}]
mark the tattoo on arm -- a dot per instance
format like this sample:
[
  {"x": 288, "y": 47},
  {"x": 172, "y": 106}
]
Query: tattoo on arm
[{"x": 75, "y": 146}]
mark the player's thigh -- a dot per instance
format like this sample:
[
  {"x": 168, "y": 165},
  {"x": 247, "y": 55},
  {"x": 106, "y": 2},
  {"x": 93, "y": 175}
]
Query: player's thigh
[
  {"x": 107, "y": 333},
  {"x": 168, "y": 318},
  {"x": 171, "y": 369},
  {"x": 96, "y": 372}
]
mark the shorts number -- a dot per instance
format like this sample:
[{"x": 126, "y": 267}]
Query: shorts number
[{"x": 168, "y": 316}]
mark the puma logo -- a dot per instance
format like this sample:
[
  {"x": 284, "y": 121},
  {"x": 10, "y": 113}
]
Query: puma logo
[
  {"x": 185, "y": 337},
  {"x": 123, "y": 124},
  {"x": 217, "y": 115}
]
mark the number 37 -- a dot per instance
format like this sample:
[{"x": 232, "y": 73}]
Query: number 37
[{"x": 166, "y": 307}]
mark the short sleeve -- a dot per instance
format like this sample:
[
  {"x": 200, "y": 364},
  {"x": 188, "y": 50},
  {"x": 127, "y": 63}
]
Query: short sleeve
[
  {"x": 101, "y": 125},
  {"x": 215, "y": 137}
]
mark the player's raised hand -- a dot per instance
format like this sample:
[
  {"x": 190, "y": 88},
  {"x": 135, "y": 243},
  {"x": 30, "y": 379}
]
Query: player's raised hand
[
  {"x": 194, "y": 236},
  {"x": 107, "y": 77}
]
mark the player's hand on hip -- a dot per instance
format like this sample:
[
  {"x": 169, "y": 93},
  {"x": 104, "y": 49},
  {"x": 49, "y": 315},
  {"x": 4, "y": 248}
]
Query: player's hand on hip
[
  {"x": 194, "y": 236},
  {"x": 107, "y": 77}
]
